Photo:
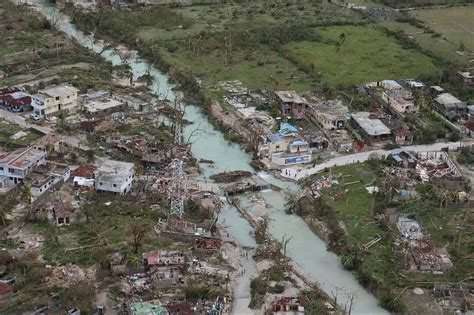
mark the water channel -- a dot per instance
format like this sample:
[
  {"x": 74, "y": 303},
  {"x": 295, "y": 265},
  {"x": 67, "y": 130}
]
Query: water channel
[{"x": 305, "y": 249}]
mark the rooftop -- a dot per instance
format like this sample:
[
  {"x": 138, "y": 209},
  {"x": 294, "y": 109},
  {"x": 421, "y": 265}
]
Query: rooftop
[
  {"x": 373, "y": 127},
  {"x": 21, "y": 158},
  {"x": 114, "y": 171},
  {"x": 58, "y": 90},
  {"x": 19, "y": 95},
  {"x": 9, "y": 90},
  {"x": 97, "y": 106},
  {"x": 447, "y": 98},
  {"x": 287, "y": 129},
  {"x": 165, "y": 258},
  {"x": 330, "y": 108},
  {"x": 95, "y": 95},
  {"x": 63, "y": 208},
  {"x": 86, "y": 170},
  {"x": 290, "y": 97},
  {"x": 275, "y": 138},
  {"x": 391, "y": 84},
  {"x": 39, "y": 180},
  {"x": 466, "y": 74},
  {"x": 437, "y": 88}
]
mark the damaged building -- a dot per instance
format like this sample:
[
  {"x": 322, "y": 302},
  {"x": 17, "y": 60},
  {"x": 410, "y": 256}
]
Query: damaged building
[
  {"x": 166, "y": 268},
  {"x": 204, "y": 236},
  {"x": 437, "y": 167},
  {"x": 421, "y": 254}
]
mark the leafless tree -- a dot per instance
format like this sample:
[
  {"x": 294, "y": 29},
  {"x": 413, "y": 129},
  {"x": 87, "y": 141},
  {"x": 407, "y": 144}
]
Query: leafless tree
[
  {"x": 138, "y": 233},
  {"x": 193, "y": 136}
]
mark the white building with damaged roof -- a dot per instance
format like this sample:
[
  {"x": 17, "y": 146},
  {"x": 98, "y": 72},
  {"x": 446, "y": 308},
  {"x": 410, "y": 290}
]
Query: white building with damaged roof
[{"x": 114, "y": 176}]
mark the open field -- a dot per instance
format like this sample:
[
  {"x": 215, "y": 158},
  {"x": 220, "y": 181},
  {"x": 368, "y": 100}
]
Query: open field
[
  {"x": 438, "y": 46},
  {"x": 367, "y": 54},
  {"x": 262, "y": 69},
  {"x": 456, "y": 24},
  {"x": 380, "y": 267}
]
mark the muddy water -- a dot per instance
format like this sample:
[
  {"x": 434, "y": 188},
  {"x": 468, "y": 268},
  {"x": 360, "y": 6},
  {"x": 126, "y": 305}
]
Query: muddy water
[{"x": 307, "y": 250}]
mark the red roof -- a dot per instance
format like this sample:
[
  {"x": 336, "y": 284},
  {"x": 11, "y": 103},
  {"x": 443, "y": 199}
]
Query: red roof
[
  {"x": 469, "y": 125},
  {"x": 5, "y": 288},
  {"x": 9, "y": 90},
  {"x": 86, "y": 171},
  {"x": 15, "y": 102},
  {"x": 180, "y": 309}
]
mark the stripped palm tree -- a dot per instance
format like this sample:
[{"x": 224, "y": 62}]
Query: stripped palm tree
[{"x": 25, "y": 193}]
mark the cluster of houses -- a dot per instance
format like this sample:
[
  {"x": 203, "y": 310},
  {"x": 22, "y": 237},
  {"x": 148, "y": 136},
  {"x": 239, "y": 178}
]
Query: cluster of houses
[
  {"x": 65, "y": 98},
  {"x": 30, "y": 164},
  {"x": 342, "y": 131}
]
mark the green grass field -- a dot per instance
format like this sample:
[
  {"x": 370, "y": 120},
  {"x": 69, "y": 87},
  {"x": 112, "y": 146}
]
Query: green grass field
[
  {"x": 456, "y": 24},
  {"x": 354, "y": 210},
  {"x": 438, "y": 46},
  {"x": 261, "y": 68},
  {"x": 366, "y": 55}
]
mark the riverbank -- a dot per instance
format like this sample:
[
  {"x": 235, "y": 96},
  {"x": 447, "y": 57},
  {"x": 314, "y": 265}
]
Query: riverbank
[
  {"x": 305, "y": 249},
  {"x": 361, "y": 227},
  {"x": 271, "y": 258}
]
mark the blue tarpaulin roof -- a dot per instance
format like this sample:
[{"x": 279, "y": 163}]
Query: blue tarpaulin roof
[
  {"x": 287, "y": 126},
  {"x": 275, "y": 138},
  {"x": 299, "y": 142}
]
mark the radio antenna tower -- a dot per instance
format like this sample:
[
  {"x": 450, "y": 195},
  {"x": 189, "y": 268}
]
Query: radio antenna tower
[{"x": 178, "y": 185}]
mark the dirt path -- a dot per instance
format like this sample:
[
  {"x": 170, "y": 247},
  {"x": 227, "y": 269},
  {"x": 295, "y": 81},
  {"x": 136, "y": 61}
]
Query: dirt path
[{"x": 103, "y": 299}]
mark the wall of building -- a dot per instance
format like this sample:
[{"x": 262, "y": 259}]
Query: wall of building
[
  {"x": 286, "y": 159},
  {"x": 116, "y": 187}
]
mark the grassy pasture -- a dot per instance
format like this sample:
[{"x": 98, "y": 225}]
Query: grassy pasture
[{"x": 367, "y": 54}]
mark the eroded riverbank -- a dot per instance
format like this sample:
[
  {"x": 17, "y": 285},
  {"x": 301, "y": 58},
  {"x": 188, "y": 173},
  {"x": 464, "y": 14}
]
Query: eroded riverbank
[{"x": 305, "y": 249}]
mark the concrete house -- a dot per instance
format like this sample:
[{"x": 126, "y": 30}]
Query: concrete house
[
  {"x": 287, "y": 147},
  {"x": 54, "y": 99},
  {"x": 397, "y": 98},
  {"x": 450, "y": 107},
  {"x": 291, "y": 104},
  {"x": 329, "y": 114},
  {"x": 371, "y": 129},
  {"x": 466, "y": 77},
  {"x": 101, "y": 107},
  {"x": 84, "y": 175},
  {"x": 62, "y": 213},
  {"x": 16, "y": 165},
  {"x": 114, "y": 176},
  {"x": 94, "y": 96},
  {"x": 48, "y": 175},
  {"x": 133, "y": 102},
  {"x": 167, "y": 268}
]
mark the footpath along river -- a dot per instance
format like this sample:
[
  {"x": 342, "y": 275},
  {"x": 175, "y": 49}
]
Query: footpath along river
[{"x": 305, "y": 248}]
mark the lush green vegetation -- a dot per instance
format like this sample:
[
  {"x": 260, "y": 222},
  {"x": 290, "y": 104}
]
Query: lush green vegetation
[
  {"x": 431, "y": 42},
  {"x": 352, "y": 55},
  {"x": 262, "y": 285},
  {"x": 264, "y": 45},
  {"x": 456, "y": 24},
  {"x": 420, "y": 3},
  {"x": 380, "y": 267},
  {"x": 466, "y": 156}
]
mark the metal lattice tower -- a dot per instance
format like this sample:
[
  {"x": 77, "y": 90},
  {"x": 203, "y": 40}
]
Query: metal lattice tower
[{"x": 178, "y": 185}]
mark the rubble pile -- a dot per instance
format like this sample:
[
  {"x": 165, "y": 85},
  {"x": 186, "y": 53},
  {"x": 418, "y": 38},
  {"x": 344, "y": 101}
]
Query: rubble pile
[
  {"x": 421, "y": 255},
  {"x": 64, "y": 276}
]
